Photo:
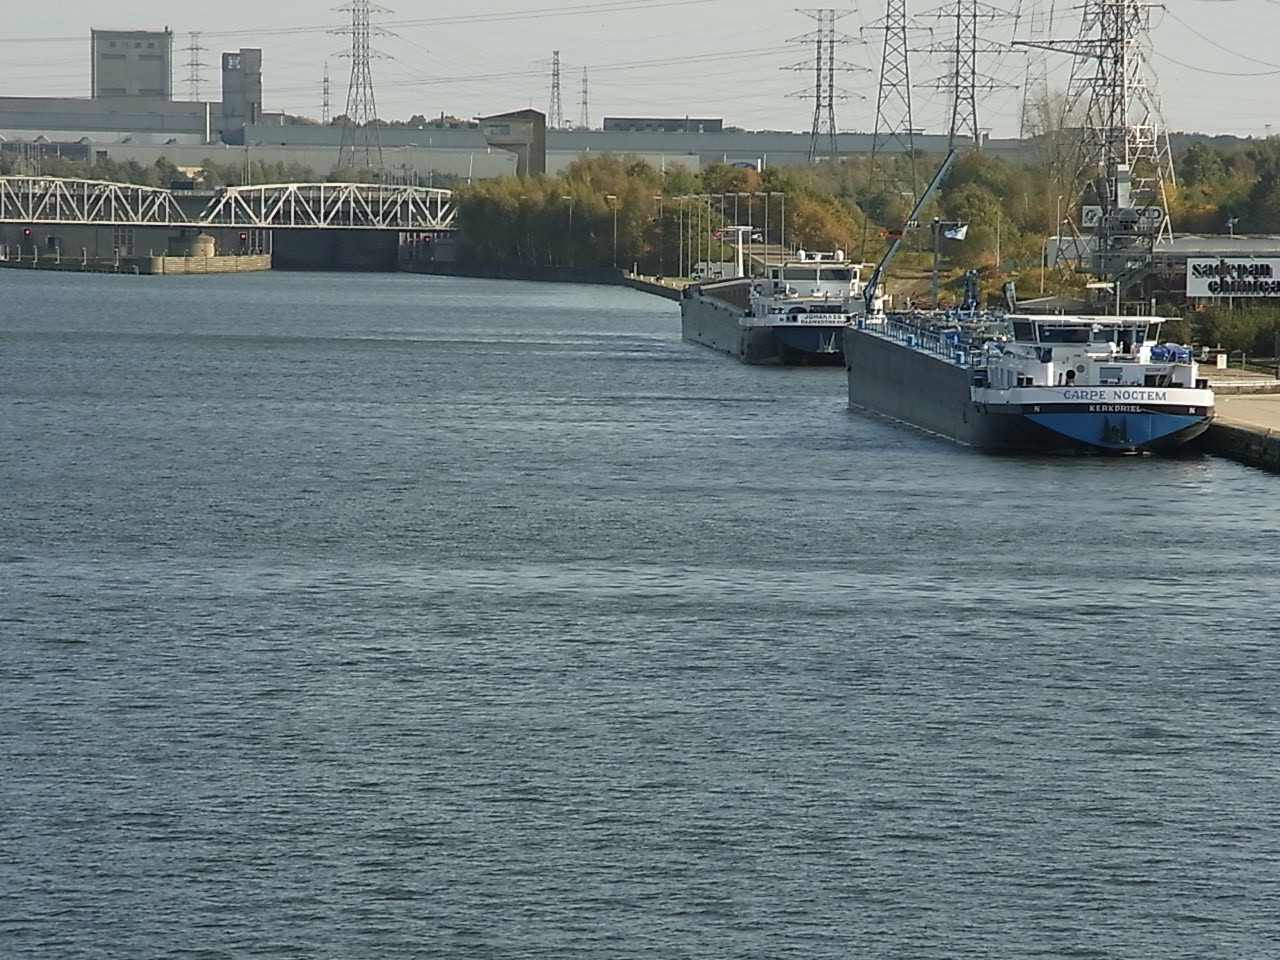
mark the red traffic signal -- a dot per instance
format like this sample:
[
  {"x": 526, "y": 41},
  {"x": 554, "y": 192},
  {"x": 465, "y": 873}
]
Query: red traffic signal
[
  {"x": 244, "y": 237},
  {"x": 26, "y": 231}
]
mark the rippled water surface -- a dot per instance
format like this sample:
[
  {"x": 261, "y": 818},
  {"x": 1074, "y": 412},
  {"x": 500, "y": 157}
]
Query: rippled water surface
[{"x": 364, "y": 617}]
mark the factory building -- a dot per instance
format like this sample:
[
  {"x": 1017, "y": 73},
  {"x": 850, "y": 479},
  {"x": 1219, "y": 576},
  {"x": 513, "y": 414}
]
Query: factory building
[
  {"x": 132, "y": 63},
  {"x": 241, "y": 88},
  {"x": 132, "y": 116}
]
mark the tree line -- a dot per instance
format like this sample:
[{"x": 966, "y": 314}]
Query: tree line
[{"x": 609, "y": 209}]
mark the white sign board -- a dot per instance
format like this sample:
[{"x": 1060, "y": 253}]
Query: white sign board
[
  {"x": 1089, "y": 216},
  {"x": 1233, "y": 277}
]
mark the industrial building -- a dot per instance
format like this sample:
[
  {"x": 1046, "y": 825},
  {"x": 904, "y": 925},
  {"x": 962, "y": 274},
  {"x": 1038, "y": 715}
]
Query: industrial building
[
  {"x": 241, "y": 89},
  {"x": 132, "y": 63},
  {"x": 662, "y": 125},
  {"x": 131, "y": 116}
]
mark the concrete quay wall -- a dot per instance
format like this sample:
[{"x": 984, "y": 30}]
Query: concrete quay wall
[
  {"x": 183, "y": 266},
  {"x": 146, "y": 266},
  {"x": 511, "y": 271},
  {"x": 1246, "y": 426},
  {"x": 1251, "y": 446},
  {"x": 605, "y": 276}
]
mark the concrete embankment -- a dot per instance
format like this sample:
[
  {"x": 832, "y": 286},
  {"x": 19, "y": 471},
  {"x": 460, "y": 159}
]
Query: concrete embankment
[
  {"x": 148, "y": 266},
  {"x": 1247, "y": 426},
  {"x": 669, "y": 289},
  {"x": 1248, "y": 445}
]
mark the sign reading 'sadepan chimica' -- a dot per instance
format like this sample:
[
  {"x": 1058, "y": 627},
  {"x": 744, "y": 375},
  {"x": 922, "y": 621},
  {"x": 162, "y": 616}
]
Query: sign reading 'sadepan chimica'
[{"x": 1233, "y": 277}]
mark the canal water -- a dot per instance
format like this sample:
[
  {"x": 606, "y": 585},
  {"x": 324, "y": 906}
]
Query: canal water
[{"x": 363, "y": 617}]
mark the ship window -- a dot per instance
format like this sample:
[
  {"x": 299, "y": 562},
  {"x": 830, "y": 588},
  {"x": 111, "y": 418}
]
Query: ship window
[
  {"x": 1050, "y": 334},
  {"x": 1131, "y": 335},
  {"x": 837, "y": 273},
  {"x": 1024, "y": 331},
  {"x": 801, "y": 274}
]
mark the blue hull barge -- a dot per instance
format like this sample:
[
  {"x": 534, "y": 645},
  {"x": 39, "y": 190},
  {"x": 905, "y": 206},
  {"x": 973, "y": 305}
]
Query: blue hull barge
[{"x": 1029, "y": 384}]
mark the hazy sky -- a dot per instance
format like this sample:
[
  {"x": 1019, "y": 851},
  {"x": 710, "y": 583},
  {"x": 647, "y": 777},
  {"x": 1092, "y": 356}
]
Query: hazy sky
[{"x": 1216, "y": 61}]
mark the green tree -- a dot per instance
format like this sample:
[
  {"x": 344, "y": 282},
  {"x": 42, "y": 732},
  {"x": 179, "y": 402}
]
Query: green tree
[{"x": 1200, "y": 164}]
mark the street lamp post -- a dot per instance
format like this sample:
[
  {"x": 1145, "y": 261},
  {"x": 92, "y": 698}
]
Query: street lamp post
[
  {"x": 937, "y": 235},
  {"x": 680, "y": 238},
  {"x": 572, "y": 258},
  {"x": 764, "y": 237},
  {"x": 662, "y": 237},
  {"x": 1231, "y": 233},
  {"x": 1044, "y": 264},
  {"x": 613, "y": 203},
  {"x": 782, "y": 228},
  {"x": 1057, "y": 232}
]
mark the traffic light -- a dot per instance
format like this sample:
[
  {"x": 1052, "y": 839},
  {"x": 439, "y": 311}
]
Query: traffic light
[{"x": 26, "y": 231}]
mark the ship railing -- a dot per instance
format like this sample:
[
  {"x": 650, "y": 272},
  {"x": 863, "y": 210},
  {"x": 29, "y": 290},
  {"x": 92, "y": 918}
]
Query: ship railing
[{"x": 929, "y": 340}]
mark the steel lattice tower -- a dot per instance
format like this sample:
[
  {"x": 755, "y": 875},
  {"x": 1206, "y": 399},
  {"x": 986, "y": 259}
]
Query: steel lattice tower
[
  {"x": 964, "y": 81},
  {"x": 1111, "y": 77},
  {"x": 194, "y": 79},
  {"x": 361, "y": 141},
  {"x": 555, "y": 113},
  {"x": 586, "y": 115},
  {"x": 1122, "y": 119},
  {"x": 894, "y": 123},
  {"x": 1035, "y": 81},
  {"x": 324, "y": 97},
  {"x": 824, "y": 66},
  {"x": 1124, "y": 156}
]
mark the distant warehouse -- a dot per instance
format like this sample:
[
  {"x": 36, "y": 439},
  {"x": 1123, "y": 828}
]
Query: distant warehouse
[{"x": 663, "y": 125}]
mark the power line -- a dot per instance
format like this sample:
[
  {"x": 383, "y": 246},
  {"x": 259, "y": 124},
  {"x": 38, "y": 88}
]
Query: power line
[{"x": 609, "y": 6}]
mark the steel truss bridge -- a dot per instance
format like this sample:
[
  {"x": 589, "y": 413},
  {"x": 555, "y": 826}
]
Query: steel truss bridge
[{"x": 299, "y": 206}]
